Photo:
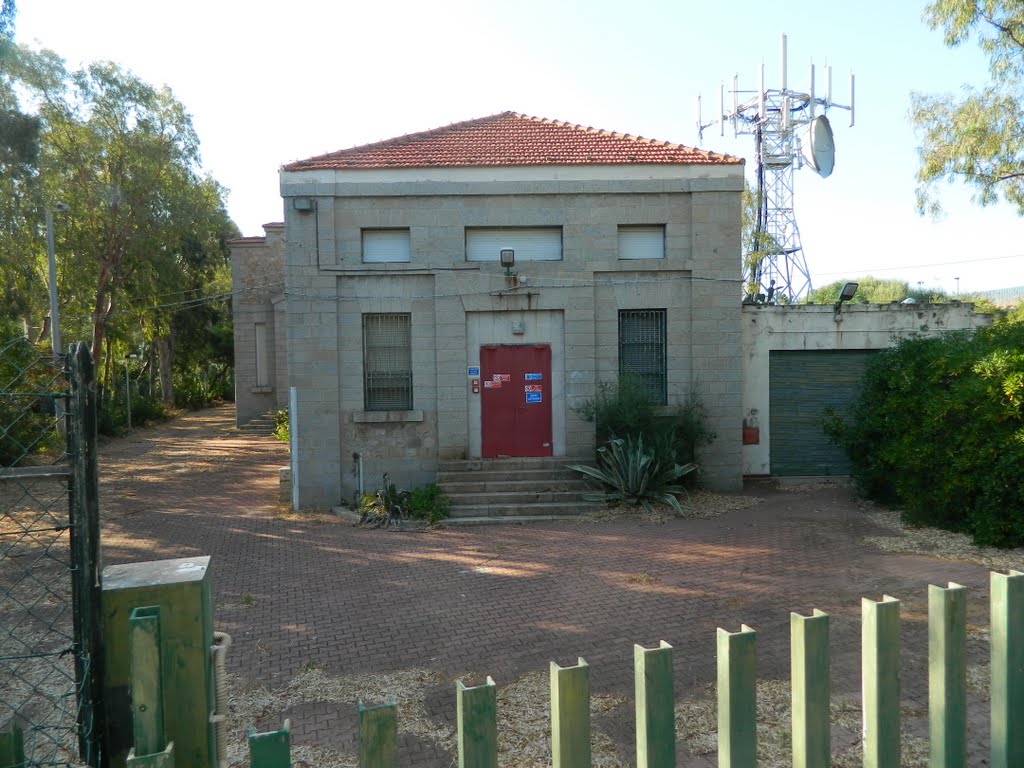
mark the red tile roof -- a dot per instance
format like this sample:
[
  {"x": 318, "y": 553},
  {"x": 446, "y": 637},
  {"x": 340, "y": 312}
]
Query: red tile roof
[{"x": 512, "y": 139}]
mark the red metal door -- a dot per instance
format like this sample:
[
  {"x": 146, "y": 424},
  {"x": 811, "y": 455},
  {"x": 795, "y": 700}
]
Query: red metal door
[{"x": 515, "y": 403}]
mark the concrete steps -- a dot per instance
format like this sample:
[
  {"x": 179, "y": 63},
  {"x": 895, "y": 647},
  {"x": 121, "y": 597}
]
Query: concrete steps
[
  {"x": 514, "y": 489},
  {"x": 262, "y": 425}
]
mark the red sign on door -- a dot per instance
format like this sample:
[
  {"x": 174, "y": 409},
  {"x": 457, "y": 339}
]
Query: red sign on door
[{"x": 511, "y": 424}]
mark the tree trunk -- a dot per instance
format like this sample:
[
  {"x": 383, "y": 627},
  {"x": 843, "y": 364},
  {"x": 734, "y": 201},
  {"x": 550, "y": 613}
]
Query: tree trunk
[
  {"x": 102, "y": 307},
  {"x": 163, "y": 345}
]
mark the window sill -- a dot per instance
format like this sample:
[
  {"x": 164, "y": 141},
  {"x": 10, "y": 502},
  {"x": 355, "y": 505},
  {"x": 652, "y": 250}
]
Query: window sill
[
  {"x": 260, "y": 390},
  {"x": 381, "y": 417}
]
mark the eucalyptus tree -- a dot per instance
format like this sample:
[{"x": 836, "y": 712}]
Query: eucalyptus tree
[
  {"x": 146, "y": 228},
  {"x": 976, "y": 136}
]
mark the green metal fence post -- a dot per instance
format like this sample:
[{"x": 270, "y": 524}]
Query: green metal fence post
[
  {"x": 163, "y": 759},
  {"x": 1007, "y": 598},
  {"x": 477, "y": 711},
  {"x": 378, "y": 735},
  {"x": 880, "y": 681},
  {"x": 570, "y": 716},
  {"x": 12, "y": 748},
  {"x": 655, "y": 706},
  {"x": 737, "y": 698},
  {"x": 147, "y": 691},
  {"x": 147, "y": 688},
  {"x": 947, "y": 676},
  {"x": 272, "y": 749},
  {"x": 84, "y": 514},
  {"x": 811, "y": 688}
]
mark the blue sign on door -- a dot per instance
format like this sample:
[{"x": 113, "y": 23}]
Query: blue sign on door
[
  {"x": 533, "y": 376},
  {"x": 533, "y": 397}
]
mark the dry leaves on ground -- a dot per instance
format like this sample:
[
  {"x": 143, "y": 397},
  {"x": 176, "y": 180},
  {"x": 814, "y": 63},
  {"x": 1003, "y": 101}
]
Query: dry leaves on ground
[
  {"x": 699, "y": 504},
  {"x": 697, "y": 726},
  {"x": 524, "y": 719},
  {"x": 935, "y": 542}
]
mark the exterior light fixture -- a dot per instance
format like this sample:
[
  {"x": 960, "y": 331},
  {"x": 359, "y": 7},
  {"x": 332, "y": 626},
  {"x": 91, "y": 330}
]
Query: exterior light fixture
[
  {"x": 508, "y": 260},
  {"x": 844, "y": 295},
  {"x": 304, "y": 204}
]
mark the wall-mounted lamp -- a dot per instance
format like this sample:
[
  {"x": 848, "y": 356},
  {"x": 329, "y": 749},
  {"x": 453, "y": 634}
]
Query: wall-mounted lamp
[
  {"x": 844, "y": 295},
  {"x": 508, "y": 260},
  {"x": 304, "y": 204}
]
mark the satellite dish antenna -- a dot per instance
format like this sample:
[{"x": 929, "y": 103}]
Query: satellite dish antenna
[{"x": 819, "y": 146}]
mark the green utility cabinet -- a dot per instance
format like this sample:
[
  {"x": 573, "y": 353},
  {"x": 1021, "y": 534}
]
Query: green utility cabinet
[{"x": 182, "y": 589}]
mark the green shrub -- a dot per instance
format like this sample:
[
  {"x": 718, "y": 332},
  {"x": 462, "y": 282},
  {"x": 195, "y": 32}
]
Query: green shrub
[
  {"x": 429, "y": 503},
  {"x": 28, "y": 425},
  {"x": 938, "y": 431},
  {"x": 632, "y": 474},
  {"x": 625, "y": 409},
  {"x": 112, "y": 417},
  {"x": 282, "y": 430},
  {"x": 197, "y": 388}
]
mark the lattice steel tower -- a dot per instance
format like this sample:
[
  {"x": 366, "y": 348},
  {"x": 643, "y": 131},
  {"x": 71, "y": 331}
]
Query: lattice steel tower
[{"x": 787, "y": 133}]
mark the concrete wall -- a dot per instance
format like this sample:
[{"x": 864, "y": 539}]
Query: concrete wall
[
  {"x": 570, "y": 304},
  {"x": 257, "y": 284},
  {"x": 811, "y": 327}
]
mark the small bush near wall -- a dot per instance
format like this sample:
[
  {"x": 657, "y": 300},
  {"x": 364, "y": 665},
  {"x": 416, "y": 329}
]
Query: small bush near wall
[
  {"x": 938, "y": 431},
  {"x": 624, "y": 409},
  {"x": 428, "y": 502},
  {"x": 282, "y": 431}
]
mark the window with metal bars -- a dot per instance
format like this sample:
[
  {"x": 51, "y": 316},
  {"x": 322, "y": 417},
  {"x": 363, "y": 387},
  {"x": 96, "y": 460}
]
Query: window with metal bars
[
  {"x": 387, "y": 362},
  {"x": 642, "y": 349}
]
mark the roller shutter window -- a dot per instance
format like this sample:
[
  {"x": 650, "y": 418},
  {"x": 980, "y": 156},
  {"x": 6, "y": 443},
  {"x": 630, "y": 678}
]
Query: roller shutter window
[
  {"x": 529, "y": 243},
  {"x": 802, "y": 386},
  {"x": 642, "y": 242},
  {"x": 385, "y": 245}
]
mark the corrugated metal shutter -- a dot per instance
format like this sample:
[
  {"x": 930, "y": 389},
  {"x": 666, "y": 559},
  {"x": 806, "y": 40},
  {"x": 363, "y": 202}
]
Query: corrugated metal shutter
[
  {"x": 529, "y": 243},
  {"x": 384, "y": 245},
  {"x": 642, "y": 242},
  {"x": 802, "y": 385}
]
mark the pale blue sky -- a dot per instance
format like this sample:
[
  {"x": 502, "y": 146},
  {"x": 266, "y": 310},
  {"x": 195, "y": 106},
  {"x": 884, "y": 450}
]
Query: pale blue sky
[{"x": 271, "y": 82}]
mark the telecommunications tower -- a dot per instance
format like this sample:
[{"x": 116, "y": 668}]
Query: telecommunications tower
[{"x": 787, "y": 133}]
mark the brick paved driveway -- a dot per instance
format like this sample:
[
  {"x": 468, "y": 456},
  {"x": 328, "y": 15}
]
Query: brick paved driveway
[{"x": 297, "y": 591}]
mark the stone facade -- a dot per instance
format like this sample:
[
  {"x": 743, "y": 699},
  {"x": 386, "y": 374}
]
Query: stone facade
[
  {"x": 257, "y": 306},
  {"x": 570, "y": 305}
]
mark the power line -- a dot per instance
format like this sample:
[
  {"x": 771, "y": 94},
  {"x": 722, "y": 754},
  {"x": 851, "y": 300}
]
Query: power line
[{"x": 922, "y": 266}]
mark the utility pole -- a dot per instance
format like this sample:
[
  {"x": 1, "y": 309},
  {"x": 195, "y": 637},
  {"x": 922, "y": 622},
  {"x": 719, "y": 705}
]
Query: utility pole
[{"x": 51, "y": 257}]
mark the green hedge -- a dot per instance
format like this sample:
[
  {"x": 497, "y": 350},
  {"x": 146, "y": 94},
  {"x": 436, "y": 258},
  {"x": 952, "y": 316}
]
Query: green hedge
[{"x": 938, "y": 431}]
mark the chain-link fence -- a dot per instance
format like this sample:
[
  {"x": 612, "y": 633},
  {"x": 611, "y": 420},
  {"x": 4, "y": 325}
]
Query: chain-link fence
[{"x": 48, "y": 554}]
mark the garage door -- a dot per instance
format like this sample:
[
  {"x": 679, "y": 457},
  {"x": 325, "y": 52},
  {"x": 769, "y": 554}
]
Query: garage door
[{"x": 802, "y": 385}]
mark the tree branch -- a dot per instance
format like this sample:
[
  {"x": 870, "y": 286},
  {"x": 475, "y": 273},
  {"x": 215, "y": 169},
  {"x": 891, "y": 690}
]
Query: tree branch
[{"x": 1004, "y": 30}]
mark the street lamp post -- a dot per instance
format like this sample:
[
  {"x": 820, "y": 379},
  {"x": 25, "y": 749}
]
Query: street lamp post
[
  {"x": 52, "y": 259},
  {"x": 128, "y": 389}
]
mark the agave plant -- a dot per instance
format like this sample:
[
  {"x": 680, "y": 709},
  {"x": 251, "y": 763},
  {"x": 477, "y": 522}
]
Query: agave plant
[
  {"x": 385, "y": 508},
  {"x": 632, "y": 475}
]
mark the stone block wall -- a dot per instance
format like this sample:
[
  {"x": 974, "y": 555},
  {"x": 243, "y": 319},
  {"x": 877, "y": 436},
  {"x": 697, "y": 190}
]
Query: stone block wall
[
  {"x": 456, "y": 305},
  {"x": 257, "y": 286}
]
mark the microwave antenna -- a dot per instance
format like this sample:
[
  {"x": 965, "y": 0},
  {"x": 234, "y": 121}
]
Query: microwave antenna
[{"x": 790, "y": 129}]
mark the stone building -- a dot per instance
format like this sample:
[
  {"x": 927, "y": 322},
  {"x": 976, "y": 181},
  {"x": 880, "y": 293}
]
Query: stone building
[
  {"x": 458, "y": 293},
  {"x": 257, "y": 309}
]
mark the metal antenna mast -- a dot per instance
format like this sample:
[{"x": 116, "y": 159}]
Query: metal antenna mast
[{"x": 786, "y": 133}]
